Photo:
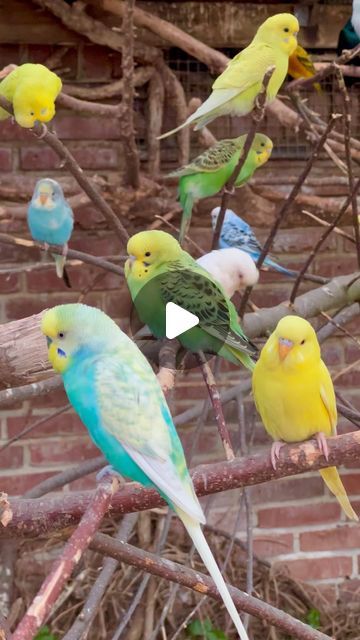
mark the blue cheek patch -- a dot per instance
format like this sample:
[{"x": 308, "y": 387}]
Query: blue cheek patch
[{"x": 61, "y": 353}]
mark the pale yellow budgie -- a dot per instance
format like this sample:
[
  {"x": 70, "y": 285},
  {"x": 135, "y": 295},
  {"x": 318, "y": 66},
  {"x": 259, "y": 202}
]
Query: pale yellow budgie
[
  {"x": 32, "y": 89},
  {"x": 295, "y": 397},
  {"x": 235, "y": 90}
]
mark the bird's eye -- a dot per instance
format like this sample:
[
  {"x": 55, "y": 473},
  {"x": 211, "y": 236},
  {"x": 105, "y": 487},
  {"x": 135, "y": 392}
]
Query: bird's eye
[
  {"x": 53, "y": 194},
  {"x": 60, "y": 334},
  {"x": 148, "y": 254},
  {"x": 302, "y": 342},
  {"x": 32, "y": 113},
  {"x": 286, "y": 29},
  {"x": 263, "y": 144}
]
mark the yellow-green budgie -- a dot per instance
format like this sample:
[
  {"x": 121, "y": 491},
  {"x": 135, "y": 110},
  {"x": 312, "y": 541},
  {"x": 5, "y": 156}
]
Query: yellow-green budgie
[
  {"x": 295, "y": 397},
  {"x": 235, "y": 90},
  {"x": 32, "y": 89}
]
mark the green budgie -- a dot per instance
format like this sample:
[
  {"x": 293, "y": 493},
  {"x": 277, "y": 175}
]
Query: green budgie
[
  {"x": 208, "y": 173},
  {"x": 172, "y": 275},
  {"x": 114, "y": 390}
]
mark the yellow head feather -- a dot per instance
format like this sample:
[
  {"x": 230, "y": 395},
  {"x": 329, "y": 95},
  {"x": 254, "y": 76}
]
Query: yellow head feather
[
  {"x": 148, "y": 250},
  {"x": 292, "y": 345},
  {"x": 280, "y": 31}
]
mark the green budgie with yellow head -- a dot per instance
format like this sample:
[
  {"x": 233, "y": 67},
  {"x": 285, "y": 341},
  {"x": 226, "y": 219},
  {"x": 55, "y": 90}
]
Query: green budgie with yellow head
[
  {"x": 159, "y": 271},
  {"x": 112, "y": 387},
  {"x": 208, "y": 173},
  {"x": 32, "y": 89}
]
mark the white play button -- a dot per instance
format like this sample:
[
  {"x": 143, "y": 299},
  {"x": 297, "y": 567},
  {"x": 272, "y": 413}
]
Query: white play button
[{"x": 178, "y": 320}]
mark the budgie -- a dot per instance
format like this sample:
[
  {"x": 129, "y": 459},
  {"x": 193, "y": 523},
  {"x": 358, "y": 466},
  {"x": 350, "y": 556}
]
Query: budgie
[
  {"x": 51, "y": 220},
  {"x": 236, "y": 89},
  {"x": 232, "y": 267},
  {"x": 113, "y": 389},
  {"x": 158, "y": 271},
  {"x": 349, "y": 37},
  {"x": 295, "y": 397},
  {"x": 32, "y": 89},
  {"x": 209, "y": 172},
  {"x": 301, "y": 66},
  {"x": 236, "y": 232}
]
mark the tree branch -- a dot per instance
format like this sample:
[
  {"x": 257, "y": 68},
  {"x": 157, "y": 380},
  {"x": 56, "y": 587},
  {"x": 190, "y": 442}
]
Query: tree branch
[
  {"x": 127, "y": 104},
  {"x": 41, "y": 517}
]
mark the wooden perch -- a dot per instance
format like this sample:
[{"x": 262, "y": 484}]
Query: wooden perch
[
  {"x": 63, "y": 567},
  {"x": 23, "y": 355},
  {"x": 177, "y": 573},
  {"x": 32, "y": 518},
  {"x": 142, "y": 75}
]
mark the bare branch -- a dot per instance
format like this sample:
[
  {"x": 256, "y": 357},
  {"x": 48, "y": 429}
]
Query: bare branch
[
  {"x": 127, "y": 123},
  {"x": 41, "y": 517}
]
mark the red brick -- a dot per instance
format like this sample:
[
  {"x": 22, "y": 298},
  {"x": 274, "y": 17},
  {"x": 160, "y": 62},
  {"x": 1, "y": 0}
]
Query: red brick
[
  {"x": 87, "y": 217},
  {"x": 9, "y": 283},
  {"x": 39, "y": 53},
  {"x": 44, "y": 280},
  {"x": 16, "y": 484},
  {"x": 271, "y": 296},
  {"x": 12, "y": 458},
  {"x": 118, "y": 304},
  {"x": 62, "y": 450},
  {"x": 95, "y": 157},
  {"x": 343, "y": 537},
  {"x": 349, "y": 591},
  {"x": 9, "y": 131},
  {"x": 56, "y": 398},
  {"x": 38, "y": 158},
  {"x": 105, "y": 245},
  {"x": 5, "y": 159},
  {"x": 75, "y": 127},
  {"x": 9, "y": 54},
  {"x": 66, "y": 424},
  {"x": 273, "y": 546},
  {"x": 21, "y": 307},
  {"x": 84, "y": 484},
  {"x": 351, "y": 482},
  {"x": 96, "y": 63},
  {"x": 333, "y": 266},
  {"x": 287, "y": 489},
  {"x": 318, "y": 568},
  {"x": 298, "y": 515},
  {"x": 332, "y": 352},
  {"x": 351, "y": 351},
  {"x": 297, "y": 240}
]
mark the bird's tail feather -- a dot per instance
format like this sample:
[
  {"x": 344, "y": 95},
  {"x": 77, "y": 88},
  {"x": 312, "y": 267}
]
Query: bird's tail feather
[
  {"x": 242, "y": 357},
  {"x": 333, "y": 481},
  {"x": 59, "y": 264},
  {"x": 188, "y": 121},
  {"x": 187, "y": 205},
  {"x": 275, "y": 265},
  {"x": 195, "y": 532}
]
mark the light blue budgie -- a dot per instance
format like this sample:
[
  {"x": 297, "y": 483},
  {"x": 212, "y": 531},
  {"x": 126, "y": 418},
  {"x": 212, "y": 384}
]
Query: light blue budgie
[
  {"x": 114, "y": 390},
  {"x": 51, "y": 220},
  {"x": 236, "y": 232}
]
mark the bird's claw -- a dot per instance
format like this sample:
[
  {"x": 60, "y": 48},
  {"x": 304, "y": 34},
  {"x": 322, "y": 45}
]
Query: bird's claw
[
  {"x": 275, "y": 452},
  {"x": 107, "y": 473},
  {"x": 43, "y": 132},
  {"x": 322, "y": 444},
  {"x": 229, "y": 191}
]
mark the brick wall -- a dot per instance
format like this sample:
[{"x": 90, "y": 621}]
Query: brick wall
[{"x": 296, "y": 521}]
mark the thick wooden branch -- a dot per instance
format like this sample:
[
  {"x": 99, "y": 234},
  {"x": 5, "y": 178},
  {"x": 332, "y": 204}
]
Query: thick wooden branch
[
  {"x": 132, "y": 162},
  {"x": 76, "y": 19},
  {"x": 32, "y": 518},
  {"x": 142, "y": 75},
  {"x": 23, "y": 353},
  {"x": 203, "y": 584},
  {"x": 62, "y": 568}
]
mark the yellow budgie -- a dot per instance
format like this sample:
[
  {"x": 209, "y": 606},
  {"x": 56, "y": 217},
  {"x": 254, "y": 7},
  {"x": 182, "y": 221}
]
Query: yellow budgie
[
  {"x": 295, "y": 397},
  {"x": 32, "y": 89},
  {"x": 235, "y": 90}
]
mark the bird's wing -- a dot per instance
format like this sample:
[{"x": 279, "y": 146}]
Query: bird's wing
[
  {"x": 239, "y": 234},
  {"x": 247, "y": 68},
  {"x": 133, "y": 410},
  {"x": 194, "y": 290},
  {"x": 327, "y": 394},
  {"x": 211, "y": 160}
]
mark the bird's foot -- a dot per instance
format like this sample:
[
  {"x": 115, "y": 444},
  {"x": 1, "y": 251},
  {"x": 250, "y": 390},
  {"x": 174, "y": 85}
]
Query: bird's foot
[
  {"x": 44, "y": 131},
  {"x": 229, "y": 191},
  {"x": 322, "y": 444},
  {"x": 275, "y": 452},
  {"x": 46, "y": 246},
  {"x": 107, "y": 473}
]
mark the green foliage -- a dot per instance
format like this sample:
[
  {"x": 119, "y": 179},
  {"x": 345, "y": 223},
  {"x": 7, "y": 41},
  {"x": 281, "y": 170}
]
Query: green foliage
[
  {"x": 205, "y": 631},
  {"x": 313, "y": 618},
  {"x": 45, "y": 634}
]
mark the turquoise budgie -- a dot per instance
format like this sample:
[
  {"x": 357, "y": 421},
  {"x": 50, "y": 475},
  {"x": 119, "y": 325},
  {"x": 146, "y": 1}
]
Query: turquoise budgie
[
  {"x": 51, "y": 220},
  {"x": 208, "y": 173},
  {"x": 112, "y": 387}
]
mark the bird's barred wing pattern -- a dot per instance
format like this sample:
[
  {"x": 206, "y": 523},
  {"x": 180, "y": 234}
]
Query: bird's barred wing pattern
[
  {"x": 193, "y": 290},
  {"x": 211, "y": 160}
]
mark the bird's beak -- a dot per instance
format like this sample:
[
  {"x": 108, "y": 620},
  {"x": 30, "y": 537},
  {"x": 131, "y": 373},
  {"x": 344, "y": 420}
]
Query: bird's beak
[
  {"x": 284, "y": 347},
  {"x": 43, "y": 197}
]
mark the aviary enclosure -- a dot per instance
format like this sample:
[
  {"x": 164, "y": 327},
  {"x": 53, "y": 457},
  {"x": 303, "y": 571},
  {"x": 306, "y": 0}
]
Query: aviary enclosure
[{"x": 85, "y": 554}]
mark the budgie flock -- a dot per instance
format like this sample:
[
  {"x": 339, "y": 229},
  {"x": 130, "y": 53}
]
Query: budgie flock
[{"x": 108, "y": 381}]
